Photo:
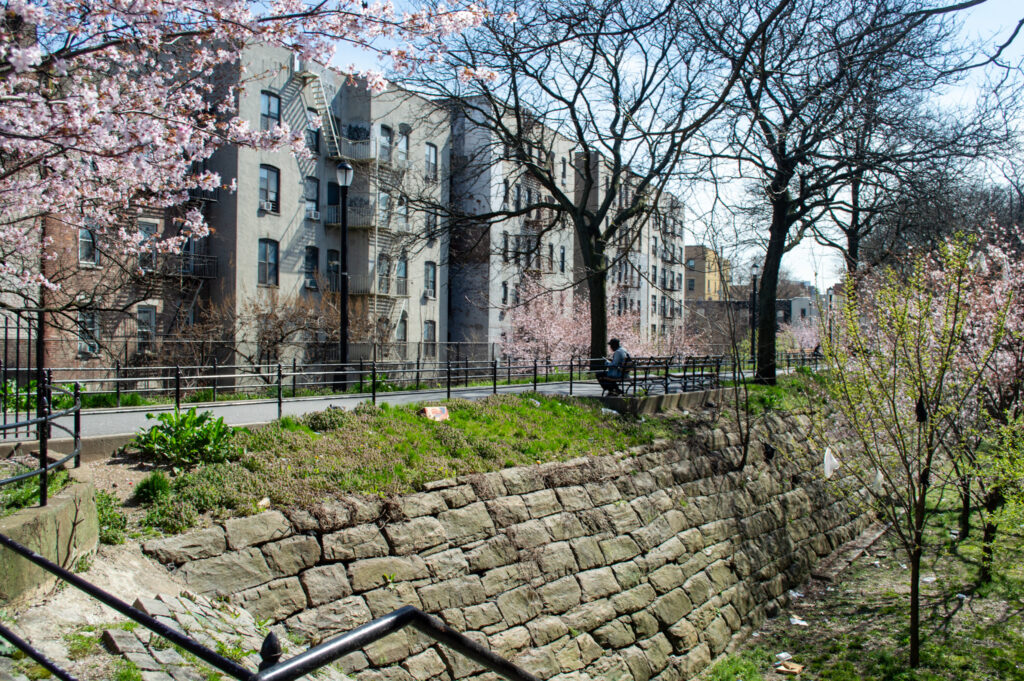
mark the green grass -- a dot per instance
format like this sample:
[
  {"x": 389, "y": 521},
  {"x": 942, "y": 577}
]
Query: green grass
[
  {"x": 389, "y": 450},
  {"x": 17, "y": 496},
  {"x": 82, "y": 645},
  {"x": 859, "y": 630}
]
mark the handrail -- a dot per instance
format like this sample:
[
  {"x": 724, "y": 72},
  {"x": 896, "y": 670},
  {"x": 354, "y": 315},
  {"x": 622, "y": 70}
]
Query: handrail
[{"x": 271, "y": 670}]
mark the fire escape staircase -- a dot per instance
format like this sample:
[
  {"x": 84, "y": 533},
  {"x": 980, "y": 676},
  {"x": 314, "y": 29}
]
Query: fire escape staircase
[{"x": 322, "y": 104}]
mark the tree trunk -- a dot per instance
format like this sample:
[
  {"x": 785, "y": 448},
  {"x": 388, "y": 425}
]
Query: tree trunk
[
  {"x": 965, "y": 508},
  {"x": 915, "y": 602},
  {"x": 993, "y": 500},
  {"x": 768, "y": 290},
  {"x": 596, "y": 287}
]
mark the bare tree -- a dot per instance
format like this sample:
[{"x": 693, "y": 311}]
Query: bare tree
[
  {"x": 813, "y": 77},
  {"x": 625, "y": 86}
]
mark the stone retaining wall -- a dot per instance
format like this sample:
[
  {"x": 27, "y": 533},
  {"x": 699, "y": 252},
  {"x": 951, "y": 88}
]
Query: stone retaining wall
[{"x": 633, "y": 566}]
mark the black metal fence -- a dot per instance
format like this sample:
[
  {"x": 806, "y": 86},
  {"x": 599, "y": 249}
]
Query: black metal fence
[
  {"x": 272, "y": 667},
  {"x": 41, "y": 426}
]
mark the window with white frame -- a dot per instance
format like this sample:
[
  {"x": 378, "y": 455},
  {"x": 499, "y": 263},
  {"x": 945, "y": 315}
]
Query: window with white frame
[
  {"x": 313, "y": 131},
  {"x": 145, "y": 328},
  {"x": 267, "y": 262},
  {"x": 88, "y": 332},
  {"x": 387, "y": 140},
  {"x": 312, "y": 195},
  {"x": 147, "y": 248},
  {"x": 430, "y": 154},
  {"x": 270, "y": 189},
  {"x": 87, "y": 254},
  {"x": 430, "y": 279},
  {"x": 270, "y": 110},
  {"x": 430, "y": 338}
]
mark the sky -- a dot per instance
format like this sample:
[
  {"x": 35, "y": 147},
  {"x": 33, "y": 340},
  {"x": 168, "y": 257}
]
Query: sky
[{"x": 989, "y": 23}]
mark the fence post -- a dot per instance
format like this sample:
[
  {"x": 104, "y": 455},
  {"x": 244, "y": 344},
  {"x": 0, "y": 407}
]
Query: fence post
[
  {"x": 465, "y": 372},
  {"x": 42, "y": 409},
  {"x": 534, "y": 375},
  {"x": 295, "y": 376},
  {"x": 280, "y": 391},
  {"x": 508, "y": 369},
  {"x": 668, "y": 361},
  {"x": 117, "y": 381},
  {"x": 177, "y": 388},
  {"x": 572, "y": 360},
  {"x": 361, "y": 370},
  {"x": 547, "y": 368},
  {"x": 494, "y": 376},
  {"x": 417, "y": 369},
  {"x": 448, "y": 379},
  {"x": 214, "y": 380},
  {"x": 78, "y": 425},
  {"x": 373, "y": 381}
]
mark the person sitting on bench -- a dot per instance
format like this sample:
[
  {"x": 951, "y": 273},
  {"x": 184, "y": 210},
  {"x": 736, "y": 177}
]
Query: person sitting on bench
[{"x": 614, "y": 368}]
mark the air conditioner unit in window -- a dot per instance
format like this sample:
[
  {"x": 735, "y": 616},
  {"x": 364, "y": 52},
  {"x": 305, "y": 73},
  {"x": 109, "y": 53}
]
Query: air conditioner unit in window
[
  {"x": 429, "y": 293},
  {"x": 267, "y": 206},
  {"x": 313, "y": 215}
]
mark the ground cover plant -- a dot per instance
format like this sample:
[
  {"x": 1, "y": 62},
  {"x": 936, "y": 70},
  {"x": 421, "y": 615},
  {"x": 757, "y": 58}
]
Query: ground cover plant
[
  {"x": 857, "y": 627},
  {"x": 388, "y": 450}
]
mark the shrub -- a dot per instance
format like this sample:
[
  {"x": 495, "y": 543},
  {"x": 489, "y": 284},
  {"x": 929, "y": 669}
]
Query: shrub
[
  {"x": 171, "y": 515},
  {"x": 185, "y": 440},
  {"x": 112, "y": 522},
  {"x": 152, "y": 487}
]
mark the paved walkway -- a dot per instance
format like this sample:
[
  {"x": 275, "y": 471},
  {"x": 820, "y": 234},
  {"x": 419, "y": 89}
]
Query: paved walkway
[{"x": 125, "y": 421}]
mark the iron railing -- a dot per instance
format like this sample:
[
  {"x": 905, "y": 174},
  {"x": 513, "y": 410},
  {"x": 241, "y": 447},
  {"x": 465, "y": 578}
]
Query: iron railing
[
  {"x": 271, "y": 667},
  {"x": 42, "y": 425}
]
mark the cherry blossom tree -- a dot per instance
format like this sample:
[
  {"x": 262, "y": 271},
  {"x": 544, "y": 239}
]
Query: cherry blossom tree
[{"x": 108, "y": 107}]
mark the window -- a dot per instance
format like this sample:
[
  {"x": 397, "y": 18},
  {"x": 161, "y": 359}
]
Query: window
[
  {"x": 383, "y": 274},
  {"x": 387, "y": 139},
  {"x": 402, "y": 215},
  {"x": 270, "y": 186},
  {"x": 145, "y": 327},
  {"x": 333, "y": 194},
  {"x": 654, "y": 304},
  {"x": 267, "y": 265},
  {"x": 312, "y": 195},
  {"x": 270, "y": 110},
  {"x": 564, "y": 171},
  {"x": 679, "y": 281},
  {"x": 654, "y": 276},
  {"x": 88, "y": 332},
  {"x": 147, "y": 256},
  {"x": 313, "y": 131},
  {"x": 311, "y": 266},
  {"x": 519, "y": 197},
  {"x": 402, "y": 330},
  {"x": 504, "y": 195},
  {"x": 551, "y": 257},
  {"x": 87, "y": 254},
  {"x": 384, "y": 208},
  {"x": 504, "y": 246},
  {"x": 430, "y": 338},
  {"x": 504, "y": 293},
  {"x": 654, "y": 246},
  {"x": 690, "y": 263},
  {"x": 402, "y": 275},
  {"x": 561, "y": 259},
  {"x": 430, "y": 153},
  {"x": 402, "y": 153},
  {"x": 691, "y": 284},
  {"x": 334, "y": 269},
  {"x": 431, "y": 224},
  {"x": 430, "y": 279}
]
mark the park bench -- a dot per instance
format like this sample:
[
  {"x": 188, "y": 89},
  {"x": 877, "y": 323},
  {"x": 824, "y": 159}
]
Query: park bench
[
  {"x": 698, "y": 373},
  {"x": 643, "y": 374}
]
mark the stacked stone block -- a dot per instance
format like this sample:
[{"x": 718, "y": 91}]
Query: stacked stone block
[{"x": 635, "y": 566}]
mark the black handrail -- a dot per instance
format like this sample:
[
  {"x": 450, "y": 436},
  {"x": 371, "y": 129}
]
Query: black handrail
[
  {"x": 44, "y": 423},
  {"x": 272, "y": 670}
]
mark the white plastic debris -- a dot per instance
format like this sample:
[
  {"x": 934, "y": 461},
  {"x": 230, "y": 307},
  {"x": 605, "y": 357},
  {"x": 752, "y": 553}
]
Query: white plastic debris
[
  {"x": 878, "y": 483},
  {"x": 793, "y": 593},
  {"x": 831, "y": 463},
  {"x": 534, "y": 402},
  {"x": 783, "y": 656},
  {"x": 877, "y": 564},
  {"x": 797, "y": 621},
  {"x": 903, "y": 566},
  {"x": 610, "y": 412},
  {"x": 928, "y": 580},
  {"x": 962, "y": 597}
]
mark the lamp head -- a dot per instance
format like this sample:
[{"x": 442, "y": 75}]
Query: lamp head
[{"x": 344, "y": 174}]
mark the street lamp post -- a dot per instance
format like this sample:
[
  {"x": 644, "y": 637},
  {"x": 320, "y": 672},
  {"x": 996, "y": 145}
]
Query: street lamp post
[
  {"x": 344, "y": 174},
  {"x": 754, "y": 269}
]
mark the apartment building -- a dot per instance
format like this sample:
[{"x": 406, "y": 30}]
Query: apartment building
[
  {"x": 645, "y": 280},
  {"x": 496, "y": 257},
  {"x": 278, "y": 236},
  {"x": 708, "y": 275}
]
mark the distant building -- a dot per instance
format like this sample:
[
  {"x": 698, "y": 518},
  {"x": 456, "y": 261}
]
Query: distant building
[{"x": 708, "y": 275}]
